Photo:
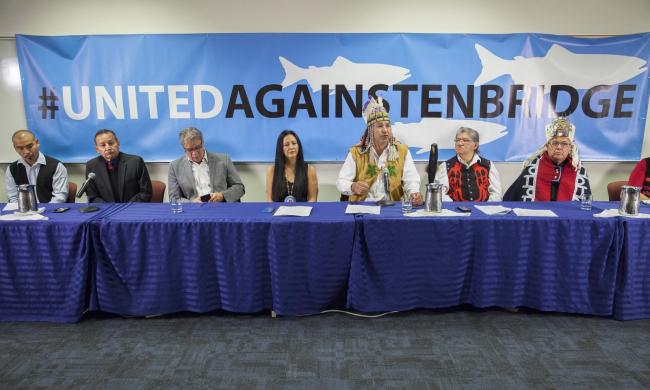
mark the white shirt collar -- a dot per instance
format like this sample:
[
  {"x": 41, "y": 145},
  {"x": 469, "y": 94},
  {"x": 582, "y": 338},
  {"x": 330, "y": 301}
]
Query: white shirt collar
[
  {"x": 378, "y": 156},
  {"x": 40, "y": 160},
  {"x": 473, "y": 161}
]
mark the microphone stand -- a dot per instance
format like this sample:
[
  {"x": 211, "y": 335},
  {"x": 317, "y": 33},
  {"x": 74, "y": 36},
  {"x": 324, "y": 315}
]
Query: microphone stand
[
  {"x": 386, "y": 201},
  {"x": 86, "y": 209}
]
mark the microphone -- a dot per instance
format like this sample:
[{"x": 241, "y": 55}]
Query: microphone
[
  {"x": 386, "y": 201},
  {"x": 386, "y": 182},
  {"x": 433, "y": 163},
  {"x": 84, "y": 186}
]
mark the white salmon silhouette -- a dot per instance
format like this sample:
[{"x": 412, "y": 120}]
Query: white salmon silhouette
[
  {"x": 343, "y": 72},
  {"x": 560, "y": 67},
  {"x": 442, "y": 132}
]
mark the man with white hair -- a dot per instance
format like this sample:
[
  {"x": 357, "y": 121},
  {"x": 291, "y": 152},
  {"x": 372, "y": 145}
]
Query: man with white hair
[
  {"x": 554, "y": 172},
  {"x": 201, "y": 176},
  {"x": 468, "y": 176}
]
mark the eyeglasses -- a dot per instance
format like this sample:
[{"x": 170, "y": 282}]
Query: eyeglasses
[
  {"x": 558, "y": 144},
  {"x": 462, "y": 140},
  {"x": 193, "y": 149}
]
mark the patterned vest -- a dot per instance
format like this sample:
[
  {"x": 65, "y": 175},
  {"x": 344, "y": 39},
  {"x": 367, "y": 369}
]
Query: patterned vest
[
  {"x": 367, "y": 171},
  {"x": 468, "y": 184},
  {"x": 44, "y": 178}
]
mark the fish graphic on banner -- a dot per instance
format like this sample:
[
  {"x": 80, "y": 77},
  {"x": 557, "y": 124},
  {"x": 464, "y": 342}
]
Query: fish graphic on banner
[
  {"x": 443, "y": 131},
  {"x": 343, "y": 72},
  {"x": 242, "y": 90},
  {"x": 560, "y": 67}
]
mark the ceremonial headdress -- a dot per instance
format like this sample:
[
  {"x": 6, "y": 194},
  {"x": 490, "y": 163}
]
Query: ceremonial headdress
[
  {"x": 559, "y": 127},
  {"x": 376, "y": 110}
]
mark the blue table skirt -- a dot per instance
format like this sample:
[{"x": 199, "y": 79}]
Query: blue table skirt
[
  {"x": 234, "y": 257},
  {"x": 310, "y": 259},
  {"x": 566, "y": 264},
  {"x": 633, "y": 287},
  {"x": 44, "y": 266},
  {"x": 139, "y": 259}
]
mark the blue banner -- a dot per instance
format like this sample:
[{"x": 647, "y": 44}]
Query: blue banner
[{"x": 241, "y": 90}]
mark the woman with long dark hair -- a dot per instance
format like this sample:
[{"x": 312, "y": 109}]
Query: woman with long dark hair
[{"x": 290, "y": 179}]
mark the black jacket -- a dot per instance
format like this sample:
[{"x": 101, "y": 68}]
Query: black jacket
[{"x": 134, "y": 184}]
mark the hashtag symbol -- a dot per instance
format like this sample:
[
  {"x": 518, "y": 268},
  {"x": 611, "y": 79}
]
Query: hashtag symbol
[{"x": 45, "y": 107}]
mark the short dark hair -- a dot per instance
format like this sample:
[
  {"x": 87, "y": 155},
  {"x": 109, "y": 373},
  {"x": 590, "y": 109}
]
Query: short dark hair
[{"x": 104, "y": 131}]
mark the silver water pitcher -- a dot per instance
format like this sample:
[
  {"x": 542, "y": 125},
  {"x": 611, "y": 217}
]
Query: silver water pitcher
[
  {"x": 433, "y": 197},
  {"x": 27, "y": 198},
  {"x": 630, "y": 199}
]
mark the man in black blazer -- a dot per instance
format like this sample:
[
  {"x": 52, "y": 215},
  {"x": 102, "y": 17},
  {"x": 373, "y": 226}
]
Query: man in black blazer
[{"x": 119, "y": 177}]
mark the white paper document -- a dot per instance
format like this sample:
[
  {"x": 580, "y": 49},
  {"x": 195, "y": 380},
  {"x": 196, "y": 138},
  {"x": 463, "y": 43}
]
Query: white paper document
[
  {"x": 443, "y": 213},
  {"x": 639, "y": 215},
  {"x": 362, "y": 209},
  {"x": 533, "y": 213},
  {"x": 23, "y": 217},
  {"x": 10, "y": 207},
  {"x": 293, "y": 211},
  {"x": 609, "y": 213},
  {"x": 494, "y": 210}
]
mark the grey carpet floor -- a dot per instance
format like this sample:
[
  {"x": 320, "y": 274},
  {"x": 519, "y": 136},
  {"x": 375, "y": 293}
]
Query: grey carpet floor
[{"x": 456, "y": 349}]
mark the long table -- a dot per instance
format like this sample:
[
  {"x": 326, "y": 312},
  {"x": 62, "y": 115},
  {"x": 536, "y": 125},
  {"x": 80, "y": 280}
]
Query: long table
[
  {"x": 235, "y": 257},
  {"x": 140, "y": 259},
  {"x": 566, "y": 264},
  {"x": 45, "y": 266}
]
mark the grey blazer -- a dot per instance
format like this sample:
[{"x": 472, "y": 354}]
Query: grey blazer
[{"x": 223, "y": 178}]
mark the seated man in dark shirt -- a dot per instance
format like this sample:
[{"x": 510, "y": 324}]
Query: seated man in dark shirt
[{"x": 119, "y": 177}]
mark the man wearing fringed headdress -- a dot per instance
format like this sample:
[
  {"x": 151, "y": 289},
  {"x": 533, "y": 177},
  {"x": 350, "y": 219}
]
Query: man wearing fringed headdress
[
  {"x": 554, "y": 172},
  {"x": 361, "y": 174}
]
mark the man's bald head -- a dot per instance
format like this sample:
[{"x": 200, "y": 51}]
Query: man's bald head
[
  {"x": 26, "y": 145},
  {"x": 23, "y": 135}
]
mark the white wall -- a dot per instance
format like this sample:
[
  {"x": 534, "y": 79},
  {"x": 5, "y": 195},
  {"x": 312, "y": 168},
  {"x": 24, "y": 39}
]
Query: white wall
[{"x": 69, "y": 17}]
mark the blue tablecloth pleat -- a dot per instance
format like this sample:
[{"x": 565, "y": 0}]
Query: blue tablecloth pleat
[
  {"x": 310, "y": 259},
  {"x": 150, "y": 261},
  {"x": 567, "y": 264},
  {"x": 44, "y": 266},
  {"x": 633, "y": 289}
]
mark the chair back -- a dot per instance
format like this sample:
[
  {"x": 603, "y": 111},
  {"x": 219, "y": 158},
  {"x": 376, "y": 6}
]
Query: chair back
[
  {"x": 72, "y": 191},
  {"x": 157, "y": 191},
  {"x": 614, "y": 189}
]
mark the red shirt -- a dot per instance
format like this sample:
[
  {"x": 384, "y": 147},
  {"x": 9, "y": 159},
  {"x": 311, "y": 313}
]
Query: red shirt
[
  {"x": 638, "y": 177},
  {"x": 547, "y": 172}
]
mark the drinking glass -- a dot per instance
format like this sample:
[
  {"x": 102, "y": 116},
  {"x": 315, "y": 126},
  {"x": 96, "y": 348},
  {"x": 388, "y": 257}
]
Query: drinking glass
[
  {"x": 585, "y": 202},
  {"x": 407, "y": 206},
  {"x": 177, "y": 205}
]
